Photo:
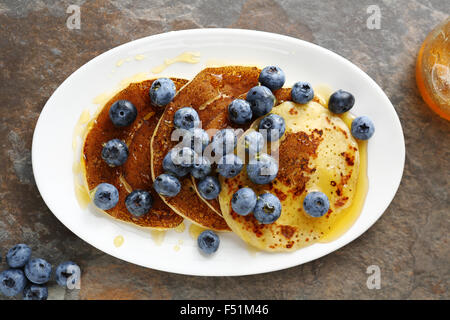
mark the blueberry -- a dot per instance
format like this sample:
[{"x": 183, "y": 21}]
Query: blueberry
[
  {"x": 106, "y": 196},
  {"x": 267, "y": 209},
  {"x": 12, "y": 282},
  {"x": 167, "y": 185},
  {"x": 139, "y": 202},
  {"x": 273, "y": 126},
  {"x": 209, "y": 188},
  {"x": 162, "y": 91},
  {"x": 224, "y": 142},
  {"x": 254, "y": 143},
  {"x": 35, "y": 292},
  {"x": 229, "y": 166},
  {"x": 122, "y": 113},
  {"x": 262, "y": 169},
  {"x": 363, "y": 128},
  {"x": 201, "y": 168},
  {"x": 170, "y": 166},
  {"x": 243, "y": 201},
  {"x": 208, "y": 241},
  {"x": 184, "y": 157},
  {"x": 18, "y": 255},
  {"x": 197, "y": 139},
  {"x": 115, "y": 152},
  {"x": 316, "y": 204},
  {"x": 68, "y": 274},
  {"x": 272, "y": 77},
  {"x": 239, "y": 111},
  {"x": 38, "y": 271},
  {"x": 186, "y": 118},
  {"x": 341, "y": 101},
  {"x": 302, "y": 92},
  {"x": 261, "y": 100}
]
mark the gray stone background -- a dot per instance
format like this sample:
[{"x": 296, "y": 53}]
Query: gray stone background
[{"x": 409, "y": 243}]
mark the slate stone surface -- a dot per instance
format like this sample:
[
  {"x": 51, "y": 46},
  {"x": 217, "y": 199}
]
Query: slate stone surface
[{"x": 409, "y": 243}]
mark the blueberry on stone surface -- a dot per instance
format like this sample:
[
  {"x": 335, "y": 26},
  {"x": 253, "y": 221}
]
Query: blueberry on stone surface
[
  {"x": 68, "y": 274},
  {"x": 38, "y": 271},
  {"x": 12, "y": 282},
  {"x": 18, "y": 256},
  {"x": 35, "y": 292}
]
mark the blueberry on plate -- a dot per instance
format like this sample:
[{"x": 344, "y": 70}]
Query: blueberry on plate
[
  {"x": 171, "y": 167},
  {"x": 186, "y": 118},
  {"x": 224, "y": 142},
  {"x": 138, "y": 202},
  {"x": 106, "y": 196},
  {"x": 341, "y": 101},
  {"x": 261, "y": 100},
  {"x": 272, "y": 77},
  {"x": 167, "y": 185},
  {"x": 229, "y": 166},
  {"x": 254, "y": 143},
  {"x": 209, "y": 188},
  {"x": 35, "y": 292},
  {"x": 243, "y": 201},
  {"x": 197, "y": 139},
  {"x": 302, "y": 92},
  {"x": 316, "y": 204},
  {"x": 262, "y": 169},
  {"x": 38, "y": 271},
  {"x": 208, "y": 241},
  {"x": 184, "y": 157},
  {"x": 18, "y": 256},
  {"x": 362, "y": 128},
  {"x": 12, "y": 282},
  {"x": 162, "y": 91},
  {"x": 272, "y": 127},
  {"x": 68, "y": 274},
  {"x": 122, "y": 113},
  {"x": 239, "y": 111},
  {"x": 201, "y": 168},
  {"x": 115, "y": 152},
  {"x": 267, "y": 209}
]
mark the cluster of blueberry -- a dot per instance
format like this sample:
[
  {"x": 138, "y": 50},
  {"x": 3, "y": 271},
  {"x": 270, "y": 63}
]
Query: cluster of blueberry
[{"x": 29, "y": 276}]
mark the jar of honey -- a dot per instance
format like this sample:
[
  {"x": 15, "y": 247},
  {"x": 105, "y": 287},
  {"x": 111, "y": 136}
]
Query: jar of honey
[{"x": 433, "y": 69}]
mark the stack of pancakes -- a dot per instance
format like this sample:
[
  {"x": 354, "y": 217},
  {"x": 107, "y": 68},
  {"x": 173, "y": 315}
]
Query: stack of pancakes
[{"x": 316, "y": 150}]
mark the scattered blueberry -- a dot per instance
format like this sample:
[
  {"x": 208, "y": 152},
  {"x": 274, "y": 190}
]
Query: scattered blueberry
[
  {"x": 106, "y": 196},
  {"x": 38, "y": 271},
  {"x": 170, "y": 166},
  {"x": 162, "y": 91},
  {"x": 302, "y": 92},
  {"x": 243, "y": 201},
  {"x": 138, "y": 202},
  {"x": 362, "y": 128},
  {"x": 122, "y": 113},
  {"x": 316, "y": 204},
  {"x": 197, "y": 139},
  {"x": 261, "y": 100},
  {"x": 184, "y": 157},
  {"x": 341, "y": 101},
  {"x": 272, "y": 77},
  {"x": 224, "y": 142},
  {"x": 35, "y": 292},
  {"x": 254, "y": 143},
  {"x": 68, "y": 274},
  {"x": 167, "y": 185},
  {"x": 273, "y": 126},
  {"x": 186, "y": 118},
  {"x": 267, "y": 209},
  {"x": 209, "y": 188},
  {"x": 262, "y": 169},
  {"x": 18, "y": 256},
  {"x": 208, "y": 241},
  {"x": 229, "y": 166},
  {"x": 12, "y": 282},
  {"x": 201, "y": 168},
  {"x": 239, "y": 111},
  {"x": 115, "y": 152}
]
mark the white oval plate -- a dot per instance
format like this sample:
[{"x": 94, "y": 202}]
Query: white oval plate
[{"x": 52, "y": 152}]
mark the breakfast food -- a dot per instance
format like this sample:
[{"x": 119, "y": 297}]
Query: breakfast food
[{"x": 230, "y": 150}]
